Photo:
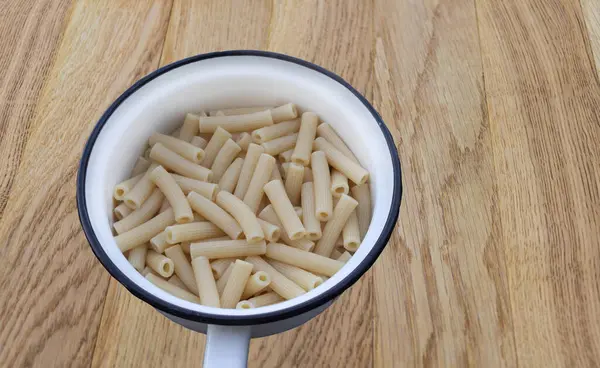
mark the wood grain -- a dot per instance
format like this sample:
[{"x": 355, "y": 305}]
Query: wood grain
[
  {"x": 543, "y": 98},
  {"x": 443, "y": 271},
  {"x": 494, "y": 106},
  {"x": 52, "y": 289},
  {"x": 31, "y": 33}
]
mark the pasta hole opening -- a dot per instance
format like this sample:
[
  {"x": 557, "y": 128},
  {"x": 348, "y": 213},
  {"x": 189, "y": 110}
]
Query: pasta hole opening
[
  {"x": 257, "y": 137},
  {"x": 166, "y": 267},
  {"x": 297, "y": 235},
  {"x": 275, "y": 235},
  {"x": 130, "y": 203},
  {"x": 299, "y": 161},
  {"x": 199, "y": 156},
  {"x": 352, "y": 246},
  {"x": 245, "y": 305},
  {"x": 313, "y": 235},
  {"x": 323, "y": 216},
  {"x": 170, "y": 236},
  {"x": 317, "y": 283},
  {"x": 255, "y": 239},
  {"x": 263, "y": 278},
  {"x": 184, "y": 219},
  {"x": 340, "y": 190},
  {"x": 120, "y": 192}
]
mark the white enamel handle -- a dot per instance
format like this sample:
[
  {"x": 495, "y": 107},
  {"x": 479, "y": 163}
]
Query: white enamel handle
[{"x": 226, "y": 346}]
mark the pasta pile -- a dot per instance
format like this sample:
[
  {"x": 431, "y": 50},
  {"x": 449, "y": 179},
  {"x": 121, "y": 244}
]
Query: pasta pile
[{"x": 210, "y": 216}]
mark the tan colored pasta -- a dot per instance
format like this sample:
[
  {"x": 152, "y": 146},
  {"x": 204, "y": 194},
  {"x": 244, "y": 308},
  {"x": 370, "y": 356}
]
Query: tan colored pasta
[
  {"x": 362, "y": 194},
  {"x": 322, "y": 185},
  {"x": 335, "y": 254},
  {"x": 309, "y": 218},
  {"x": 280, "y": 284},
  {"x": 244, "y": 304},
  {"x": 341, "y": 162},
  {"x": 344, "y": 257},
  {"x": 231, "y": 176},
  {"x": 214, "y": 145},
  {"x": 165, "y": 205},
  {"x": 141, "y": 191},
  {"x": 172, "y": 289},
  {"x": 304, "y": 279},
  {"x": 159, "y": 242},
  {"x": 244, "y": 141},
  {"x": 306, "y": 136},
  {"x": 265, "y": 299},
  {"x": 268, "y": 214},
  {"x": 194, "y": 231},
  {"x": 125, "y": 187},
  {"x": 236, "y": 283},
  {"x": 250, "y": 163},
  {"x": 141, "y": 166},
  {"x": 240, "y": 110},
  {"x": 306, "y": 260},
  {"x": 243, "y": 215},
  {"x": 275, "y": 131},
  {"x": 276, "y": 175},
  {"x": 339, "y": 183},
  {"x": 285, "y": 166},
  {"x": 178, "y": 164},
  {"x": 284, "y": 210},
  {"x": 167, "y": 184},
  {"x": 148, "y": 270},
  {"x": 224, "y": 158},
  {"x": 226, "y": 249},
  {"x": 189, "y": 128},
  {"x": 122, "y": 211},
  {"x": 160, "y": 264},
  {"x": 180, "y": 147},
  {"x": 333, "y": 228},
  {"x": 272, "y": 232},
  {"x": 286, "y": 156},
  {"x": 199, "y": 142},
  {"x": 208, "y": 190},
  {"x": 146, "y": 231},
  {"x": 351, "y": 233},
  {"x": 183, "y": 269},
  {"x": 236, "y": 123},
  {"x": 222, "y": 281},
  {"x": 279, "y": 145},
  {"x": 215, "y": 214},
  {"x": 308, "y": 177},
  {"x": 284, "y": 112},
  {"x": 262, "y": 174},
  {"x": 137, "y": 257},
  {"x": 146, "y": 211},
  {"x": 174, "y": 280},
  {"x": 326, "y": 131},
  {"x": 219, "y": 266},
  {"x": 298, "y": 211},
  {"x": 293, "y": 183},
  {"x": 256, "y": 283},
  {"x": 207, "y": 287},
  {"x": 147, "y": 153}
]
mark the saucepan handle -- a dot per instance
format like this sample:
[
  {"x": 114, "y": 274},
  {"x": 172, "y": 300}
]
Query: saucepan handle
[{"x": 226, "y": 346}]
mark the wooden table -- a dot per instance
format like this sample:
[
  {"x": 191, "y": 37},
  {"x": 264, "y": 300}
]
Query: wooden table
[{"x": 495, "y": 108}]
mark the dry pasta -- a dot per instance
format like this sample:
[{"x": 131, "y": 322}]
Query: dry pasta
[
  {"x": 140, "y": 191},
  {"x": 344, "y": 257},
  {"x": 280, "y": 284},
  {"x": 244, "y": 141},
  {"x": 183, "y": 269},
  {"x": 275, "y": 131},
  {"x": 322, "y": 185},
  {"x": 236, "y": 123},
  {"x": 293, "y": 182},
  {"x": 261, "y": 175},
  {"x": 124, "y": 187},
  {"x": 304, "y": 279},
  {"x": 199, "y": 142},
  {"x": 222, "y": 281},
  {"x": 265, "y": 299},
  {"x": 146, "y": 231},
  {"x": 272, "y": 232},
  {"x": 190, "y": 127},
  {"x": 309, "y": 218},
  {"x": 284, "y": 112},
  {"x": 167, "y": 184},
  {"x": 326, "y": 131},
  {"x": 284, "y": 210},
  {"x": 181, "y": 147},
  {"x": 178, "y": 164},
  {"x": 215, "y": 214},
  {"x": 214, "y": 146},
  {"x": 226, "y": 249},
  {"x": 236, "y": 283},
  {"x": 269, "y": 215},
  {"x": 122, "y": 211},
  {"x": 250, "y": 163},
  {"x": 333, "y": 228},
  {"x": 256, "y": 283},
  {"x": 243, "y": 215},
  {"x": 279, "y": 145},
  {"x": 224, "y": 158},
  {"x": 231, "y": 176},
  {"x": 208, "y": 190},
  {"x": 306, "y": 260},
  {"x": 351, "y": 233},
  {"x": 194, "y": 231},
  {"x": 219, "y": 266},
  {"x": 286, "y": 156},
  {"x": 362, "y": 194},
  {"x": 341, "y": 162},
  {"x": 141, "y": 166},
  {"x": 174, "y": 280},
  {"x": 148, "y": 209},
  {"x": 137, "y": 257},
  {"x": 172, "y": 289},
  {"x": 339, "y": 183},
  {"x": 207, "y": 288},
  {"x": 306, "y": 136},
  {"x": 160, "y": 264}
]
